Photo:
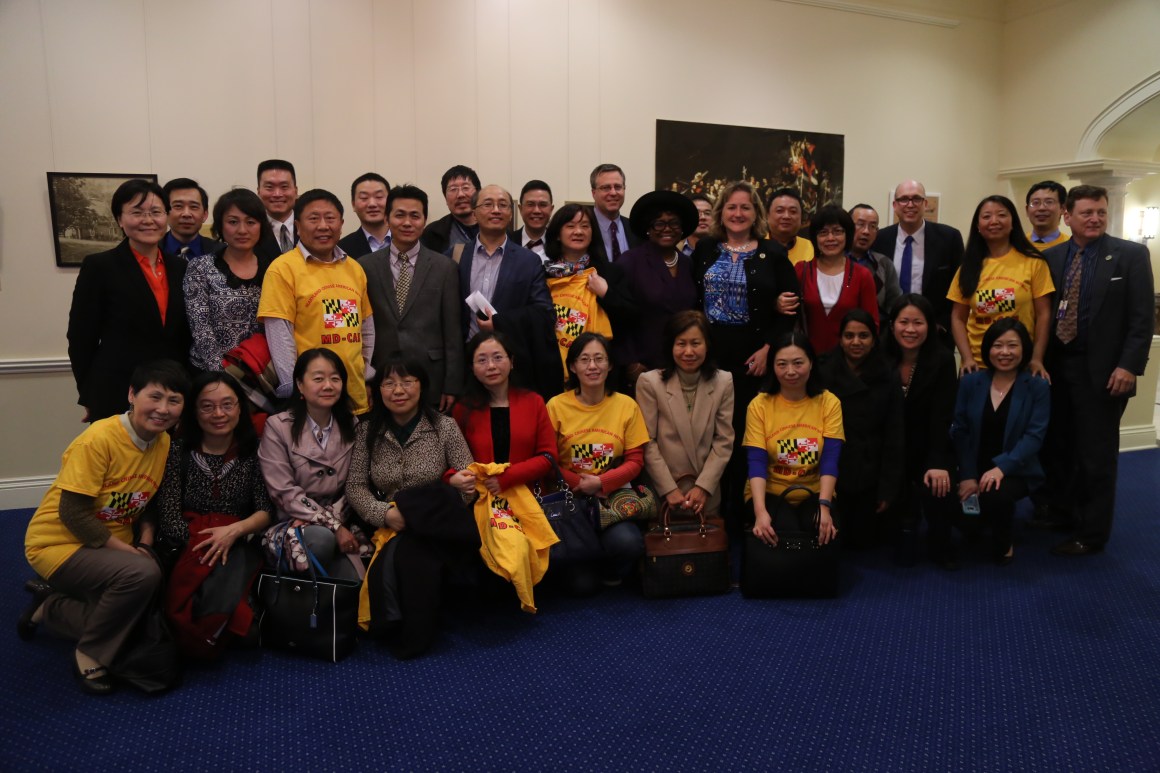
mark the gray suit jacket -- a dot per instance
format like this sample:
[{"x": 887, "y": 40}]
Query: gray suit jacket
[
  {"x": 428, "y": 328},
  {"x": 681, "y": 444}
]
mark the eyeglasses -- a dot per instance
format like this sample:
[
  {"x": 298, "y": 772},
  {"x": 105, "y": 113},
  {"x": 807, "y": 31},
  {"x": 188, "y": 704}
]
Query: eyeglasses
[
  {"x": 667, "y": 225},
  {"x": 610, "y": 188},
  {"x": 144, "y": 214},
  {"x": 904, "y": 200},
  {"x": 495, "y": 359},
  {"x": 209, "y": 409},
  {"x": 488, "y": 205},
  {"x": 599, "y": 360},
  {"x": 406, "y": 384},
  {"x": 1042, "y": 203},
  {"x": 834, "y": 230},
  {"x": 455, "y": 190}
]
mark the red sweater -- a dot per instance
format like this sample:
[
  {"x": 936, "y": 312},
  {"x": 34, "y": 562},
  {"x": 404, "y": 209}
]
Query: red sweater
[
  {"x": 858, "y": 290},
  {"x": 531, "y": 435}
]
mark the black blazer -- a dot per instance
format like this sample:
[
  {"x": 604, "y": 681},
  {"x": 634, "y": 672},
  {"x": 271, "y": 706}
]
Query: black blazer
[
  {"x": 929, "y": 409},
  {"x": 942, "y": 256},
  {"x": 114, "y": 325},
  {"x": 267, "y": 249},
  {"x": 872, "y": 417},
  {"x": 355, "y": 244},
  {"x": 1120, "y": 319},
  {"x": 524, "y": 314},
  {"x": 437, "y": 236},
  {"x": 768, "y": 273}
]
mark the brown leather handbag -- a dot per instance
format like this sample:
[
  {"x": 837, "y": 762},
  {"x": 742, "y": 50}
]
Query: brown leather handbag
[{"x": 685, "y": 558}]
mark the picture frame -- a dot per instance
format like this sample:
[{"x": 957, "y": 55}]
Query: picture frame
[{"x": 82, "y": 217}]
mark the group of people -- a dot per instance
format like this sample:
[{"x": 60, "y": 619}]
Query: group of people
[{"x": 703, "y": 348}]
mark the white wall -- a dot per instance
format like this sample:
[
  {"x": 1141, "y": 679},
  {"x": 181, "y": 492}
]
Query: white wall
[{"x": 515, "y": 88}]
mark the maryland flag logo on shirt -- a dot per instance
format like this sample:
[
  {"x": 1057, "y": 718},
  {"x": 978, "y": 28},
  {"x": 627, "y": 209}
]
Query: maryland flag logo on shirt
[
  {"x": 591, "y": 457},
  {"x": 123, "y": 505},
  {"x": 1001, "y": 300},
  {"x": 339, "y": 313},
  {"x": 798, "y": 452},
  {"x": 570, "y": 322}
]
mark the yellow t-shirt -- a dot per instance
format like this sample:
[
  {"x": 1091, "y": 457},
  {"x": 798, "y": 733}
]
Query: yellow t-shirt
[
  {"x": 1041, "y": 246},
  {"x": 103, "y": 462},
  {"x": 1008, "y": 287},
  {"x": 577, "y": 310},
  {"x": 793, "y": 434},
  {"x": 327, "y": 303},
  {"x": 803, "y": 250},
  {"x": 590, "y": 438}
]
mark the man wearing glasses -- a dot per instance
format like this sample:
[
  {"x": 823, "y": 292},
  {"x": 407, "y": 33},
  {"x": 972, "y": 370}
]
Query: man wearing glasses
[
  {"x": 1044, "y": 210},
  {"x": 511, "y": 279},
  {"x": 608, "y": 193},
  {"x": 926, "y": 254},
  {"x": 458, "y": 227}
]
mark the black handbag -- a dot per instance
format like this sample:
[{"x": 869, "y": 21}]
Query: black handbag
[
  {"x": 798, "y": 566},
  {"x": 573, "y": 518},
  {"x": 315, "y": 616},
  {"x": 685, "y": 558}
]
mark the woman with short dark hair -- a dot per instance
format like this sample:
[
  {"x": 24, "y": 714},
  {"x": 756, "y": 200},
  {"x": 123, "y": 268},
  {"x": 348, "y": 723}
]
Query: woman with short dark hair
[
  {"x": 833, "y": 284},
  {"x": 117, "y": 321},
  {"x": 689, "y": 399},
  {"x": 222, "y": 289},
  {"x": 1001, "y": 417}
]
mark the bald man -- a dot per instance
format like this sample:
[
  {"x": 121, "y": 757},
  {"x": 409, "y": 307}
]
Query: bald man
[{"x": 926, "y": 254}]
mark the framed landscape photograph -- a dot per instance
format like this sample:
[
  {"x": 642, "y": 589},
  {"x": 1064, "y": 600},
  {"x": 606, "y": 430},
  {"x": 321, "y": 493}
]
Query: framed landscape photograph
[{"x": 82, "y": 217}]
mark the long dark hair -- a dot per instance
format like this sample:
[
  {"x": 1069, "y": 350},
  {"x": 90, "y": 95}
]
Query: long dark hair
[
  {"x": 977, "y": 250},
  {"x": 814, "y": 384},
  {"x": 380, "y": 415},
  {"x": 555, "y": 250},
  {"x": 245, "y": 437},
  {"x": 343, "y": 415},
  {"x": 677, "y": 324},
  {"x": 475, "y": 394},
  {"x": 890, "y": 343}
]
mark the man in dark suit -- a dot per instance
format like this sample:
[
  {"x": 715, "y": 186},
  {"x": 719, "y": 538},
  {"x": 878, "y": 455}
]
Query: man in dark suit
[
  {"x": 1099, "y": 343},
  {"x": 415, "y": 294},
  {"x": 512, "y": 279},
  {"x": 926, "y": 254},
  {"x": 608, "y": 191},
  {"x": 458, "y": 227},
  {"x": 278, "y": 190},
  {"x": 188, "y": 211},
  {"x": 535, "y": 210},
  {"x": 368, "y": 199}
]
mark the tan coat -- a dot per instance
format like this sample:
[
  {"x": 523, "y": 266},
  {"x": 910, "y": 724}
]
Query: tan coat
[{"x": 683, "y": 444}]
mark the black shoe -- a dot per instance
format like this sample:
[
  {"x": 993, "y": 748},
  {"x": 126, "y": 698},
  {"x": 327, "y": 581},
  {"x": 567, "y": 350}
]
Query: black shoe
[
  {"x": 1005, "y": 559},
  {"x": 1075, "y": 547},
  {"x": 94, "y": 681},
  {"x": 40, "y": 591}
]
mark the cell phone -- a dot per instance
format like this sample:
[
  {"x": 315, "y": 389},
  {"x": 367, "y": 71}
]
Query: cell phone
[
  {"x": 480, "y": 315},
  {"x": 971, "y": 505}
]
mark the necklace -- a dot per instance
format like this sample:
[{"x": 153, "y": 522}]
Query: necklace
[
  {"x": 743, "y": 248},
  {"x": 673, "y": 262},
  {"x": 909, "y": 378}
]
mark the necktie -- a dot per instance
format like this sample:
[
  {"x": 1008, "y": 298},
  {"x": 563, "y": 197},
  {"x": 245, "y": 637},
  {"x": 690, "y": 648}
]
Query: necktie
[
  {"x": 1067, "y": 328},
  {"x": 284, "y": 239},
  {"x": 184, "y": 253},
  {"x": 614, "y": 239},
  {"x": 907, "y": 263},
  {"x": 402, "y": 282}
]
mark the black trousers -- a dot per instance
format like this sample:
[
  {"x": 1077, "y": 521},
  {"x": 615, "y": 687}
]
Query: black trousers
[
  {"x": 997, "y": 508},
  {"x": 732, "y": 346},
  {"x": 1084, "y": 444}
]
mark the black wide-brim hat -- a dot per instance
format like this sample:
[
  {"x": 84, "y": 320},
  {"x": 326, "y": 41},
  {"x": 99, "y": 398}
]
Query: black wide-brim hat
[{"x": 648, "y": 206}]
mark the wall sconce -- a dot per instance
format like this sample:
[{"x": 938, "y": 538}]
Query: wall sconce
[{"x": 1149, "y": 222}]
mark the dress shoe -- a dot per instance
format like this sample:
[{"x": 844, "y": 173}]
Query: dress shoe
[
  {"x": 1075, "y": 547},
  {"x": 40, "y": 590},
  {"x": 94, "y": 681}
]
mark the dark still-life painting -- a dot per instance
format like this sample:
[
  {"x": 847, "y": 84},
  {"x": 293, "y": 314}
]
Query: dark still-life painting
[{"x": 705, "y": 157}]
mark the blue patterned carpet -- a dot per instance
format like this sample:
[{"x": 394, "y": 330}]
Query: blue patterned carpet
[{"x": 1047, "y": 665}]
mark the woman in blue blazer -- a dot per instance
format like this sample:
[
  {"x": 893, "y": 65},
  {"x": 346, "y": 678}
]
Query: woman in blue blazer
[{"x": 1001, "y": 416}]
